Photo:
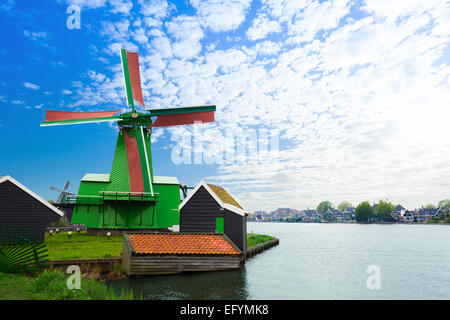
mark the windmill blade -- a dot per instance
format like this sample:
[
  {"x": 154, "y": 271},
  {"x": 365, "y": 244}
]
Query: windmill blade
[
  {"x": 60, "y": 197},
  {"x": 66, "y": 186},
  {"x": 55, "y": 189},
  {"x": 182, "y": 115},
  {"x": 53, "y": 117},
  {"x": 132, "y": 77}
]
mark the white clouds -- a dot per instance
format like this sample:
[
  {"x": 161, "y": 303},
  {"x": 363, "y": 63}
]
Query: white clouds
[
  {"x": 66, "y": 92},
  {"x": 188, "y": 33},
  {"x": 267, "y": 48},
  {"x": 31, "y": 86},
  {"x": 35, "y": 36},
  {"x": 361, "y": 110},
  {"x": 156, "y": 8},
  {"x": 221, "y": 15},
  {"x": 261, "y": 27},
  {"x": 392, "y": 10},
  {"x": 318, "y": 16},
  {"x": 226, "y": 60},
  {"x": 121, "y": 6},
  {"x": 162, "y": 46},
  {"x": 88, "y": 4}
]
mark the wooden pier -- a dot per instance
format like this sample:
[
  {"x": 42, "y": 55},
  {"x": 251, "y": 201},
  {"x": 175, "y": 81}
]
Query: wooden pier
[{"x": 254, "y": 250}]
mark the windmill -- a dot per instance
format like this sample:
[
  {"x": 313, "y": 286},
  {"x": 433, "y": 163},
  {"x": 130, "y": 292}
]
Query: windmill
[
  {"x": 62, "y": 194},
  {"x": 130, "y": 197}
]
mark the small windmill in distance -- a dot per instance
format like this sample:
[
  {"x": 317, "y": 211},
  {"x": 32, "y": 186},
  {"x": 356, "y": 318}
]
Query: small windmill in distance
[{"x": 63, "y": 194}]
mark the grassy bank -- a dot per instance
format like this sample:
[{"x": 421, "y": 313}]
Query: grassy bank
[
  {"x": 52, "y": 285},
  {"x": 254, "y": 239},
  {"x": 80, "y": 245}
]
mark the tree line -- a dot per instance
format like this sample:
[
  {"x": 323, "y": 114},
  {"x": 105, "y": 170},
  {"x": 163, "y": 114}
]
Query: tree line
[{"x": 364, "y": 211}]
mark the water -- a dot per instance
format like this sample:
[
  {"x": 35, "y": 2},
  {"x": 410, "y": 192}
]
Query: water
[{"x": 323, "y": 261}]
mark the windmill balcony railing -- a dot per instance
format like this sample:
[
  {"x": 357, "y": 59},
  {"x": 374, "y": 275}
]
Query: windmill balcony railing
[
  {"x": 117, "y": 196},
  {"x": 129, "y": 196}
]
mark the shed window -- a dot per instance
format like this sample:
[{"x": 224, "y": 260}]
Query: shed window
[{"x": 219, "y": 225}]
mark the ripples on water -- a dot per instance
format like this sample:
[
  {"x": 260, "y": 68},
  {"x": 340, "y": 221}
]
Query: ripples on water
[{"x": 322, "y": 261}]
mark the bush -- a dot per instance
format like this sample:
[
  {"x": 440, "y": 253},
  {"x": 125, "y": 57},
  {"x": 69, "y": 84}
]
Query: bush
[
  {"x": 63, "y": 222},
  {"x": 52, "y": 285}
]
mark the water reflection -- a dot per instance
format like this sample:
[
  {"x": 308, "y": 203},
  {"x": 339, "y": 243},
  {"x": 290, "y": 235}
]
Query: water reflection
[{"x": 196, "y": 285}]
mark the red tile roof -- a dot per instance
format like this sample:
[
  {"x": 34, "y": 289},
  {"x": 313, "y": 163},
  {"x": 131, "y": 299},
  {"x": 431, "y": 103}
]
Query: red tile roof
[{"x": 181, "y": 243}]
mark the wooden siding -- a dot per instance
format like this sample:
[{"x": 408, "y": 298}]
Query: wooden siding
[
  {"x": 20, "y": 209},
  {"x": 236, "y": 229},
  {"x": 199, "y": 215},
  {"x": 168, "y": 264}
]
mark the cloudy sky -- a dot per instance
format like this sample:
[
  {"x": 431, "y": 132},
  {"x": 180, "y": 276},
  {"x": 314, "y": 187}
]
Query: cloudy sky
[{"x": 358, "y": 92}]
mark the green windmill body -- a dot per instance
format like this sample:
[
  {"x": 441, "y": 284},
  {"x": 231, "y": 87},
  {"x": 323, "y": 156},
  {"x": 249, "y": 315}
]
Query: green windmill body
[{"x": 130, "y": 197}]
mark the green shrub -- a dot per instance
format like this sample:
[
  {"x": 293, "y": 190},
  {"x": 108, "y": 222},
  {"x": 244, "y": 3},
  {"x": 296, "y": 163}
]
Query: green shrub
[
  {"x": 52, "y": 285},
  {"x": 63, "y": 222}
]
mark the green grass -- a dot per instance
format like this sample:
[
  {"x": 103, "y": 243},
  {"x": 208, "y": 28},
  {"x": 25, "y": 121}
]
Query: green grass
[
  {"x": 80, "y": 245},
  {"x": 15, "y": 287},
  {"x": 254, "y": 239},
  {"x": 52, "y": 285}
]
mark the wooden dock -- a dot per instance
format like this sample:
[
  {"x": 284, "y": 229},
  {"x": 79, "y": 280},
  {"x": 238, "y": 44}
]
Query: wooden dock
[{"x": 254, "y": 250}]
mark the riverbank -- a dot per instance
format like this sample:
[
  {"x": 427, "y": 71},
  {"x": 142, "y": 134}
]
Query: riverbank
[
  {"x": 83, "y": 246},
  {"x": 52, "y": 285},
  {"x": 363, "y": 223}
]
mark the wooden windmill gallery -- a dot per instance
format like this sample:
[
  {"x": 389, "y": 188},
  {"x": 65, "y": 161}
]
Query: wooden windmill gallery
[{"x": 131, "y": 196}]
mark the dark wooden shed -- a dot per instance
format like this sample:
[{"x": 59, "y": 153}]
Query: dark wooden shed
[
  {"x": 23, "y": 209},
  {"x": 212, "y": 209}
]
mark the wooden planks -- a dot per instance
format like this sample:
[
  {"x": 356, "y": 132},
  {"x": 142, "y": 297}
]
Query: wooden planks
[
  {"x": 261, "y": 247},
  {"x": 169, "y": 264}
]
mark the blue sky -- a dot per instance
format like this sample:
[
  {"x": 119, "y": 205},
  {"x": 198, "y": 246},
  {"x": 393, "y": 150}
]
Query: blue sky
[{"x": 358, "y": 90}]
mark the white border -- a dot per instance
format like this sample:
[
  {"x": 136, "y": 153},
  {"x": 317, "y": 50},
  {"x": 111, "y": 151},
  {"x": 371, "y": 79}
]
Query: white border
[
  {"x": 220, "y": 202},
  {"x": 31, "y": 193}
]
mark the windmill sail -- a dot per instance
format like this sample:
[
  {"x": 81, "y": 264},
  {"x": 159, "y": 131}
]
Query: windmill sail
[
  {"x": 131, "y": 74},
  {"x": 53, "y": 117},
  {"x": 130, "y": 197},
  {"x": 183, "y": 115}
]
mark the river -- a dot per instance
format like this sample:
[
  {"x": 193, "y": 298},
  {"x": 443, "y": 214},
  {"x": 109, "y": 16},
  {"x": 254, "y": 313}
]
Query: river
[{"x": 323, "y": 261}]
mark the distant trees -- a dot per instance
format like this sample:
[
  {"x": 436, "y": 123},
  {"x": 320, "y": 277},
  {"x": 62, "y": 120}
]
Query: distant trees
[
  {"x": 364, "y": 211},
  {"x": 430, "y": 206},
  {"x": 343, "y": 205},
  {"x": 324, "y": 206},
  {"x": 444, "y": 204},
  {"x": 385, "y": 208}
]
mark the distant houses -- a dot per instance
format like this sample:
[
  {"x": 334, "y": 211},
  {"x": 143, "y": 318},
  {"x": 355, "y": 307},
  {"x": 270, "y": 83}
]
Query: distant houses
[{"x": 400, "y": 215}]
